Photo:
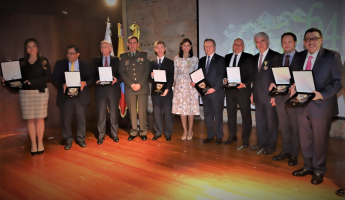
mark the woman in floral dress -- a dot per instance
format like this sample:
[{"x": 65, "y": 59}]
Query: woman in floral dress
[{"x": 185, "y": 100}]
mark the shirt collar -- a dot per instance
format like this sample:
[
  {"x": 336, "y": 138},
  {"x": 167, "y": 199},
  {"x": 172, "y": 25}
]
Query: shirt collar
[
  {"x": 211, "y": 56},
  {"x": 314, "y": 54},
  {"x": 265, "y": 53},
  {"x": 162, "y": 58},
  {"x": 75, "y": 62},
  {"x": 292, "y": 54}
]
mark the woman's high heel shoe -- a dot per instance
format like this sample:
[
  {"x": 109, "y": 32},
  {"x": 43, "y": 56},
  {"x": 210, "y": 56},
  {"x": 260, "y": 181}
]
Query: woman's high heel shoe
[
  {"x": 190, "y": 136},
  {"x": 40, "y": 152},
  {"x": 184, "y": 136},
  {"x": 33, "y": 153}
]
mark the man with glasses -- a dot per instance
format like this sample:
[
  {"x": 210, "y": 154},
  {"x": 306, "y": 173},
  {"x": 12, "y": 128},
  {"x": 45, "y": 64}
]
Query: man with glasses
[
  {"x": 315, "y": 119},
  {"x": 69, "y": 105}
]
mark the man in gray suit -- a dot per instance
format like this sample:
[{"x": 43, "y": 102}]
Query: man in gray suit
[
  {"x": 134, "y": 70},
  {"x": 287, "y": 117},
  {"x": 107, "y": 95},
  {"x": 315, "y": 119}
]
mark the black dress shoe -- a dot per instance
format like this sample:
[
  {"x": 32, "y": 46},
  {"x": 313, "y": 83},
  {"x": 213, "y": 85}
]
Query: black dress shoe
[
  {"x": 143, "y": 137},
  {"x": 281, "y": 156},
  {"x": 245, "y": 144},
  {"x": 116, "y": 139},
  {"x": 156, "y": 137},
  {"x": 256, "y": 147},
  {"x": 68, "y": 145},
  {"x": 340, "y": 192},
  {"x": 131, "y": 137},
  {"x": 302, "y": 172},
  {"x": 293, "y": 161},
  {"x": 317, "y": 179},
  {"x": 230, "y": 140},
  {"x": 207, "y": 140},
  {"x": 82, "y": 144},
  {"x": 100, "y": 141},
  {"x": 218, "y": 141},
  {"x": 268, "y": 151},
  {"x": 40, "y": 152},
  {"x": 168, "y": 138}
]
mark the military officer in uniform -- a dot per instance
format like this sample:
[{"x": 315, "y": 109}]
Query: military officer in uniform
[{"x": 134, "y": 70}]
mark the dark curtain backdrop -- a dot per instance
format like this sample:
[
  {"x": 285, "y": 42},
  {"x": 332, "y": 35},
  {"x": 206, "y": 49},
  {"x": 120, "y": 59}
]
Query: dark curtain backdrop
[{"x": 84, "y": 26}]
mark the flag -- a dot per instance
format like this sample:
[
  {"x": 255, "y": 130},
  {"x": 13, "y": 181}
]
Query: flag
[
  {"x": 121, "y": 49},
  {"x": 108, "y": 34}
]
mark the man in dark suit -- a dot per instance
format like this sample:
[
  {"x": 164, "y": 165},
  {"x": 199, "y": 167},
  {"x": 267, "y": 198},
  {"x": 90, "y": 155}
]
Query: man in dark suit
[
  {"x": 213, "y": 67},
  {"x": 315, "y": 119},
  {"x": 287, "y": 117},
  {"x": 69, "y": 105},
  {"x": 265, "y": 111},
  {"x": 134, "y": 70},
  {"x": 107, "y": 95},
  {"x": 241, "y": 94},
  {"x": 162, "y": 102}
]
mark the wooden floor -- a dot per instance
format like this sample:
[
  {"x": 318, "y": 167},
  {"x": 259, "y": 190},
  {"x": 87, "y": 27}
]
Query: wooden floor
[{"x": 157, "y": 169}]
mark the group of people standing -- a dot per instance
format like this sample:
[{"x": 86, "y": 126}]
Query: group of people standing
[{"x": 305, "y": 127}]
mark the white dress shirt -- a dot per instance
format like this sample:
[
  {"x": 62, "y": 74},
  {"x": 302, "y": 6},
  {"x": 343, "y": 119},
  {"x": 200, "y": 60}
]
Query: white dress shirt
[
  {"x": 237, "y": 59},
  {"x": 312, "y": 60},
  {"x": 263, "y": 57}
]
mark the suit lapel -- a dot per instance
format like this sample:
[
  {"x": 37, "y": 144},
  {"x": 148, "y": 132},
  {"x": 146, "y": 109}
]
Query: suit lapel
[{"x": 319, "y": 59}]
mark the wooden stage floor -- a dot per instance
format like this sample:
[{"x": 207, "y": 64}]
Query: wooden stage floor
[{"x": 157, "y": 169}]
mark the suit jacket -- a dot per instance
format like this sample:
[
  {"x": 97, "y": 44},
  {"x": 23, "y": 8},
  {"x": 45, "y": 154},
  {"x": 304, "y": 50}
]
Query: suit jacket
[
  {"x": 278, "y": 61},
  {"x": 168, "y": 66},
  {"x": 58, "y": 78},
  {"x": 245, "y": 65},
  {"x": 263, "y": 78},
  {"x": 215, "y": 75},
  {"x": 113, "y": 91},
  {"x": 327, "y": 71},
  {"x": 135, "y": 70}
]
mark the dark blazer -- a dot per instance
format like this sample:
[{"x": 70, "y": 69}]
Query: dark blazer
[
  {"x": 113, "y": 91},
  {"x": 263, "y": 78},
  {"x": 168, "y": 66},
  {"x": 278, "y": 62},
  {"x": 245, "y": 64},
  {"x": 327, "y": 71},
  {"x": 58, "y": 78},
  {"x": 215, "y": 75}
]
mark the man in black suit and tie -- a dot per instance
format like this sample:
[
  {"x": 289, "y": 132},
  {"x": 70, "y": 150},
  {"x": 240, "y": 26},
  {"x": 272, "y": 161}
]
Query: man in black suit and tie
[
  {"x": 162, "y": 102},
  {"x": 69, "y": 105},
  {"x": 265, "y": 110},
  {"x": 287, "y": 117},
  {"x": 107, "y": 95},
  {"x": 315, "y": 119},
  {"x": 213, "y": 67},
  {"x": 241, "y": 94}
]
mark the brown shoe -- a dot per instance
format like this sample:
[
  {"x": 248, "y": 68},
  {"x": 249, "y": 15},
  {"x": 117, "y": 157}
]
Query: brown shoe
[{"x": 190, "y": 136}]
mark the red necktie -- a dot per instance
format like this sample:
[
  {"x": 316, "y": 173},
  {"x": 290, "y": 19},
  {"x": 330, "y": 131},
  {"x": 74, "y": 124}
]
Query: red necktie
[
  {"x": 308, "y": 67},
  {"x": 106, "y": 62}
]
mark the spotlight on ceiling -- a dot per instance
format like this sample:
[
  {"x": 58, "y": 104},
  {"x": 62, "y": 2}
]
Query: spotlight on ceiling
[{"x": 111, "y": 2}]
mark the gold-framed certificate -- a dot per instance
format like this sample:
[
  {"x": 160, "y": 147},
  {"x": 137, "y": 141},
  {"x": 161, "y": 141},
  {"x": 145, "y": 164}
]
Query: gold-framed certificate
[
  {"x": 304, "y": 86},
  {"x": 233, "y": 76},
  {"x": 12, "y": 74},
  {"x": 105, "y": 75},
  {"x": 201, "y": 85},
  {"x": 73, "y": 83},
  {"x": 159, "y": 82},
  {"x": 282, "y": 80}
]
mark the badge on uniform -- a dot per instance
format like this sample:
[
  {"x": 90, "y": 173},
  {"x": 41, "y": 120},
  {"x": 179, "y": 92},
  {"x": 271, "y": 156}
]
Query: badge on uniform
[
  {"x": 140, "y": 59},
  {"x": 265, "y": 67},
  {"x": 127, "y": 62}
]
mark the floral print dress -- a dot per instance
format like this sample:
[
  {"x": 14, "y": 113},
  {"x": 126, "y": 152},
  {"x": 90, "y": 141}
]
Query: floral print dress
[{"x": 185, "y": 100}]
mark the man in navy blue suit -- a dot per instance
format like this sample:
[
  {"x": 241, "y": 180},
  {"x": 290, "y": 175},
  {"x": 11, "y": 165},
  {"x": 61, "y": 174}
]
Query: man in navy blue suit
[{"x": 315, "y": 119}]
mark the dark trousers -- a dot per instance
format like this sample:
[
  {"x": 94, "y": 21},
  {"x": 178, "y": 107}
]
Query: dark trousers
[
  {"x": 239, "y": 97},
  {"x": 71, "y": 106},
  {"x": 162, "y": 104},
  {"x": 132, "y": 101},
  {"x": 213, "y": 112},
  {"x": 113, "y": 104},
  {"x": 266, "y": 125},
  {"x": 314, "y": 134},
  {"x": 289, "y": 129}
]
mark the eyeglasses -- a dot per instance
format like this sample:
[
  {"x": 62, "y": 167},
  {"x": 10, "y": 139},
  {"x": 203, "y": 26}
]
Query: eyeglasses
[
  {"x": 315, "y": 39},
  {"x": 71, "y": 54}
]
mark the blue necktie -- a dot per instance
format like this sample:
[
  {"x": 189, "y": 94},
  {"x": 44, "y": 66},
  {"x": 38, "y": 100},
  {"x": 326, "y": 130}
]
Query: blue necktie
[{"x": 207, "y": 64}]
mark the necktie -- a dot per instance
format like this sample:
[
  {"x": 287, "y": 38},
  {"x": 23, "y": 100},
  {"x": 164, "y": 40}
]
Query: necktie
[
  {"x": 132, "y": 55},
  {"x": 308, "y": 67},
  {"x": 159, "y": 63},
  {"x": 235, "y": 61},
  {"x": 106, "y": 62},
  {"x": 72, "y": 67},
  {"x": 287, "y": 61},
  {"x": 260, "y": 61},
  {"x": 208, "y": 63}
]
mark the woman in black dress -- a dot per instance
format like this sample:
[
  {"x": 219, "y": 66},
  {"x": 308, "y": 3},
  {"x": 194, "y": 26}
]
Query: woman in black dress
[{"x": 34, "y": 94}]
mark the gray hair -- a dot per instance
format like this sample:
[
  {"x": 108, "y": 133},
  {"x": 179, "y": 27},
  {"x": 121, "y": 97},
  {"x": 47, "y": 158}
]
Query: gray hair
[
  {"x": 261, "y": 34},
  {"x": 106, "y": 41}
]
